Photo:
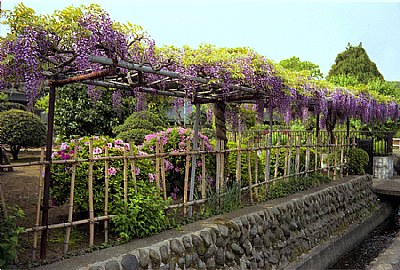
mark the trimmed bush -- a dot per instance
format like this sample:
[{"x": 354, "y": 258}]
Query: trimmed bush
[
  {"x": 6, "y": 106},
  {"x": 21, "y": 129},
  {"x": 357, "y": 161},
  {"x": 138, "y": 125}
]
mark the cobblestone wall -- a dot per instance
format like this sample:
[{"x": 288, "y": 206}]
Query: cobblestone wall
[{"x": 267, "y": 239}]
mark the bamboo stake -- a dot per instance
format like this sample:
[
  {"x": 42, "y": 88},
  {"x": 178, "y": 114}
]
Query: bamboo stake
[
  {"x": 327, "y": 156},
  {"x": 203, "y": 172},
  {"x": 249, "y": 173},
  {"x": 307, "y": 165},
  {"x": 239, "y": 162},
  {"x": 289, "y": 160},
  {"x": 133, "y": 165},
  {"x": 90, "y": 190},
  {"x": 316, "y": 151},
  {"x": 342, "y": 157},
  {"x": 277, "y": 153},
  {"x": 218, "y": 166},
  {"x": 106, "y": 195},
  {"x": 297, "y": 164},
  {"x": 164, "y": 183},
  {"x": 71, "y": 198},
  {"x": 185, "y": 184},
  {"x": 256, "y": 176},
  {"x": 158, "y": 164},
  {"x": 37, "y": 221},
  {"x": 125, "y": 181},
  {"x": 222, "y": 160},
  {"x": 335, "y": 162}
]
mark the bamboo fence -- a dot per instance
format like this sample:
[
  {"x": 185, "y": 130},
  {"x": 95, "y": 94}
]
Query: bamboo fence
[{"x": 299, "y": 149}]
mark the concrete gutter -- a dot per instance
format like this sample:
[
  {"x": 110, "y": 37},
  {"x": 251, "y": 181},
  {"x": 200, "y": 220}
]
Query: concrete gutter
[{"x": 327, "y": 253}]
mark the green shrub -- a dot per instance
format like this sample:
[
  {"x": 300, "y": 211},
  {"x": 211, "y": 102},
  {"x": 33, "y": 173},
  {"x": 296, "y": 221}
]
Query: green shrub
[
  {"x": 6, "y": 106},
  {"x": 9, "y": 236},
  {"x": 357, "y": 161},
  {"x": 21, "y": 129},
  {"x": 138, "y": 125},
  {"x": 175, "y": 140},
  {"x": 145, "y": 207}
]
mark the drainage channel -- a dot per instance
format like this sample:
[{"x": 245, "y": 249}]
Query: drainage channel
[{"x": 369, "y": 248}]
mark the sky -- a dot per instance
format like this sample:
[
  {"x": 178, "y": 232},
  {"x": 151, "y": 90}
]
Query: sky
[{"x": 314, "y": 31}]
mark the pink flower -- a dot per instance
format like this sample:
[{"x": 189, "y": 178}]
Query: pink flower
[
  {"x": 112, "y": 171},
  {"x": 151, "y": 177},
  {"x": 118, "y": 142},
  {"x": 96, "y": 138},
  {"x": 137, "y": 171},
  {"x": 127, "y": 146},
  {"x": 109, "y": 145},
  {"x": 97, "y": 151},
  {"x": 64, "y": 146}
]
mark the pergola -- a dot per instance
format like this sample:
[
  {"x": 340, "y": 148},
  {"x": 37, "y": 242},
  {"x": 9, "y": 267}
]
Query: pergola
[{"x": 123, "y": 75}]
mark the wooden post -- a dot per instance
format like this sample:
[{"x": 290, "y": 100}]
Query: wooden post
[
  {"x": 277, "y": 153},
  {"x": 106, "y": 187},
  {"x": 186, "y": 181},
  {"x": 249, "y": 173},
  {"x": 218, "y": 165},
  {"x": 239, "y": 162},
  {"x": 297, "y": 164},
  {"x": 307, "y": 161},
  {"x": 163, "y": 181},
  {"x": 133, "y": 165},
  {"x": 329, "y": 135},
  {"x": 125, "y": 181},
  {"x": 90, "y": 190},
  {"x": 194, "y": 156},
  {"x": 268, "y": 151},
  {"x": 222, "y": 162},
  {"x": 35, "y": 233},
  {"x": 342, "y": 147},
  {"x": 47, "y": 177},
  {"x": 335, "y": 161},
  {"x": 203, "y": 172},
  {"x": 71, "y": 197},
  {"x": 158, "y": 164},
  {"x": 289, "y": 159},
  {"x": 256, "y": 171}
]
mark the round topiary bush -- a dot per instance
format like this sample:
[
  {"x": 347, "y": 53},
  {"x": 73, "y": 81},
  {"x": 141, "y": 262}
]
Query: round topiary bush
[
  {"x": 357, "y": 161},
  {"x": 21, "y": 129},
  {"x": 138, "y": 125}
]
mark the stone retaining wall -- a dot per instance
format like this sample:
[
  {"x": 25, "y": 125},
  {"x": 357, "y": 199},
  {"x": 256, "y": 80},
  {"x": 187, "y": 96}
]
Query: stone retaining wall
[{"x": 267, "y": 239}]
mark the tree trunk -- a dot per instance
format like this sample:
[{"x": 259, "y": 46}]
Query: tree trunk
[{"x": 15, "y": 151}]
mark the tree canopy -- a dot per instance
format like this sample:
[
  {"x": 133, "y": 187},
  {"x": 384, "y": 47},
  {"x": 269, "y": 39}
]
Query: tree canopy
[{"x": 354, "y": 63}]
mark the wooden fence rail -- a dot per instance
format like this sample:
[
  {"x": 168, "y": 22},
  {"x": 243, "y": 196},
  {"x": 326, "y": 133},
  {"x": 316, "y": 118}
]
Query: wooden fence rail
[{"x": 290, "y": 154}]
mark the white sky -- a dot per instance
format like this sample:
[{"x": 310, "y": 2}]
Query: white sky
[{"x": 315, "y": 31}]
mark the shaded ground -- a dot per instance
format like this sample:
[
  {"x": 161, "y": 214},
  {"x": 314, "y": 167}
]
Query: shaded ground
[{"x": 20, "y": 188}]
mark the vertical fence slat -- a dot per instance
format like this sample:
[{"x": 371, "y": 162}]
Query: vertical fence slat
[
  {"x": 222, "y": 164},
  {"x": 163, "y": 181},
  {"x": 218, "y": 166},
  {"x": 37, "y": 220},
  {"x": 133, "y": 165},
  {"x": 90, "y": 190},
  {"x": 256, "y": 171},
  {"x": 158, "y": 164},
  {"x": 277, "y": 153},
  {"x": 125, "y": 172},
  {"x": 289, "y": 158},
  {"x": 186, "y": 181},
  {"x": 106, "y": 182},
  {"x": 203, "y": 171},
  {"x": 335, "y": 157},
  {"x": 239, "y": 162},
  {"x": 307, "y": 161},
  {"x": 71, "y": 197},
  {"x": 249, "y": 173},
  {"x": 342, "y": 147},
  {"x": 297, "y": 161}
]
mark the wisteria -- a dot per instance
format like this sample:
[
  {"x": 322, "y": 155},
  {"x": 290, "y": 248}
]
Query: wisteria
[{"x": 36, "y": 54}]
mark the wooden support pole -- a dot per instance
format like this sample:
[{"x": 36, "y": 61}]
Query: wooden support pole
[
  {"x": 194, "y": 156},
  {"x": 307, "y": 161},
  {"x": 289, "y": 158},
  {"x": 90, "y": 190},
  {"x": 37, "y": 220},
  {"x": 47, "y": 177},
  {"x": 125, "y": 179},
  {"x": 256, "y": 173},
  {"x": 218, "y": 165},
  {"x": 277, "y": 153},
  {"x": 71, "y": 198},
  {"x": 342, "y": 147},
  {"x": 158, "y": 164},
  {"x": 163, "y": 180},
  {"x": 297, "y": 160},
  {"x": 133, "y": 165},
  {"x": 186, "y": 180},
  {"x": 106, "y": 188},
  {"x": 203, "y": 172},
  {"x": 239, "y": 162},
  {"x": 249, "y": 173}
]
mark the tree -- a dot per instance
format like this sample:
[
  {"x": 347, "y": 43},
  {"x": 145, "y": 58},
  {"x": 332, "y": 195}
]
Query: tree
[
  {"x": 21, "y": 129},
  {"x": 77, "y": 114},
  {"x": 295, "y": 64},
  {"x": 354, "y": 62}
]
